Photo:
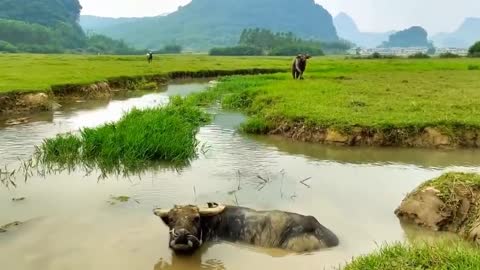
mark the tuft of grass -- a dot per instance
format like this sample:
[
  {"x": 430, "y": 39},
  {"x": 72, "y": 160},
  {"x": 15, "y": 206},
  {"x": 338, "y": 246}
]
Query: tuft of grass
[
  {"x": 473, "y": 67},
  {"x": 65, "y": 149},
  {"x": 447, "y": 182},
  {"x": 433, "y": 256},
  {"x": 118, "y": 199},
  {"x": 148, "y": 86},
  {"x": 141, "y": 136},
  {"x": 256, "y": 125}
]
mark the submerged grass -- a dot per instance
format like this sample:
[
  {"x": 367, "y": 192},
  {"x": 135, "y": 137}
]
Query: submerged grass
[
  {"x": 141, "y": 136},
  {"x": 380, "y": 95},
  {"x": 438, "y": 256}
]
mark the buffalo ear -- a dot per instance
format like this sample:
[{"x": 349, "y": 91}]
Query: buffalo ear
[
  {"x": 166, "y": 220},
  {"x": 308, "y": 56},
  {"x": 163, "y": 214}
]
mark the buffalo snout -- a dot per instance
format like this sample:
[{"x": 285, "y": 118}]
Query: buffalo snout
[{"x": 182, "y": 240}]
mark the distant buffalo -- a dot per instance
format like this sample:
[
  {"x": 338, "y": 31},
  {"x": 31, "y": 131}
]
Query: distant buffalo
[
  {"x": 299, "y": 65},
  {"x": 190, "y": 226},
  {"x": 149, "y": 57}
]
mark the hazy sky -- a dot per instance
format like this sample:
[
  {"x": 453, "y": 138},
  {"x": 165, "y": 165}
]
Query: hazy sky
[{"x": 370, "y": 15}]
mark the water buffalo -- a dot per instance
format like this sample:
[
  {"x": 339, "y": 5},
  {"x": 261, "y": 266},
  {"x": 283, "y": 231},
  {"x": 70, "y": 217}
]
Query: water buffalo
[
  {"x": 299, "y": 65},
  {"x": 150, "y": 57},
  {"x": 191, "y": 226}
]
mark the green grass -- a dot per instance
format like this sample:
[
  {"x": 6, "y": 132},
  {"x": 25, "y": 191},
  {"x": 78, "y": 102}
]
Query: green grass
[
  {"x": 446, "y": 183},
  {"x": 455, "y": 188},
  {"x": 33, "y": 72},
  {"x": 438, "y": 256},
  {"x": 378, "y": 94},
  {"x": 139, "y": 138}
]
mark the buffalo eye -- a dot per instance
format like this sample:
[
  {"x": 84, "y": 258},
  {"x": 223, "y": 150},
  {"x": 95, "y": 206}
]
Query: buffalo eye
[{"x": 196, "y": 219}]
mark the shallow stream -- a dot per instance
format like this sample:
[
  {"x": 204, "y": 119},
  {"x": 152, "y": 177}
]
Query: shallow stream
[{"x": 72, "y": 221}]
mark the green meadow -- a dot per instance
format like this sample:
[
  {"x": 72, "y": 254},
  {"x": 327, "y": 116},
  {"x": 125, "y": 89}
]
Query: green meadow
[
  {"x": 36, "y": 72},
  {"x": 379, "y": 94}
]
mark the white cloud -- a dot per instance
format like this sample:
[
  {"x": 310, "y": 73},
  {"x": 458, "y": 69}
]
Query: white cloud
[{"x": 130, "y": 8}]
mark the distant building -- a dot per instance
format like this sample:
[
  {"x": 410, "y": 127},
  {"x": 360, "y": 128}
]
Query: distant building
[
  {"x": 457, "y": 51},
  {"x": 397, "y": 51},
  {"x": 405, "y": 51}
]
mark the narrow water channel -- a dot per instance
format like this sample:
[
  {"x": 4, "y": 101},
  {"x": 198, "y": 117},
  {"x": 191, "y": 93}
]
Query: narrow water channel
[{"x": 72, "y": 222}]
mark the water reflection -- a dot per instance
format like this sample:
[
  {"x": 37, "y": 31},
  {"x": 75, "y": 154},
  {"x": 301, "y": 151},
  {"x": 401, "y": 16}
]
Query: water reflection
[
  {"x": 427, "y": 158},
  {"x": 415, "y": 234},
  {"x": 190, "y": 263}
]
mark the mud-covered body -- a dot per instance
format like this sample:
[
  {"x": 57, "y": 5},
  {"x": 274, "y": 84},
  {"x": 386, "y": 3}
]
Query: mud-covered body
[{"x": 272, "y": 229}]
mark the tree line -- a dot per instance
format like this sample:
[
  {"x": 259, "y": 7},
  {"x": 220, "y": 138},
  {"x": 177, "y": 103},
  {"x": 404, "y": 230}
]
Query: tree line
[
  {"x": 257, "y": 41},
  {"x": 474, "y": 51}
]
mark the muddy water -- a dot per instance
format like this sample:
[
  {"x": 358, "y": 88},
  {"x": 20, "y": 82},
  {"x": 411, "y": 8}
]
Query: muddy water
[{"x": 72, "y": 222}]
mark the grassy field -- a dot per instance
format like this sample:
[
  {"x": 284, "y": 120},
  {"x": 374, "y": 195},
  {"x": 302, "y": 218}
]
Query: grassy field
[
  {"x": 20, "y": 72},
  {"x": 391, "y": 99},
  {"x": 439, "y": 256},
  {"x": 139, "y": 138},
  {"x": 378, "y": 94}
]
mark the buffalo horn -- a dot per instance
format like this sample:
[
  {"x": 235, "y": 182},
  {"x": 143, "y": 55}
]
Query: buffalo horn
[
  {"x": 161, "y": 212},
  {"x": 212, "y": 209}
]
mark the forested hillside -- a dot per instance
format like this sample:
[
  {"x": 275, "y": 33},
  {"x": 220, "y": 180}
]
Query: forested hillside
[
  {"x": 49, "y": 26},
  {"x": 203, "y": 24},
  {"x": 348, "y": 29},
  {"x": 415, "y": 36}
]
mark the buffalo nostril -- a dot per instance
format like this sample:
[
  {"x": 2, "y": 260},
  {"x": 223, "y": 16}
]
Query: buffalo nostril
[
  {"x": 181, "y": 236},
  {"x": 181, "y": 232}
]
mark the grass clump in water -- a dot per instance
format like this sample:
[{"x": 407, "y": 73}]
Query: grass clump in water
[
  {"x": 141, "y": 136},
  {"x": 438, "y": 256}
]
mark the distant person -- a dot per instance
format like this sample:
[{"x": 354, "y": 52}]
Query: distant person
[
  {"x": 150, "y": 57},
  {"x": 299, "y": 65}
]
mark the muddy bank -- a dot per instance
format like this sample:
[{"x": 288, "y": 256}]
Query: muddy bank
[
  {"x": 448, "y": 203},
  {"x": 105, "y": 88},
  {"x": 25, "y": 102},
  {"x": 21, "y": 103},
  {"x": 429, "y": 137}
]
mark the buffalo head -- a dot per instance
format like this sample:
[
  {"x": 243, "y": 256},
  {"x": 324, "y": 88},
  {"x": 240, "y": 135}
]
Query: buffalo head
[
  {"x": 185, "y": 225},
  {"x": 303, "y": 57}
]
